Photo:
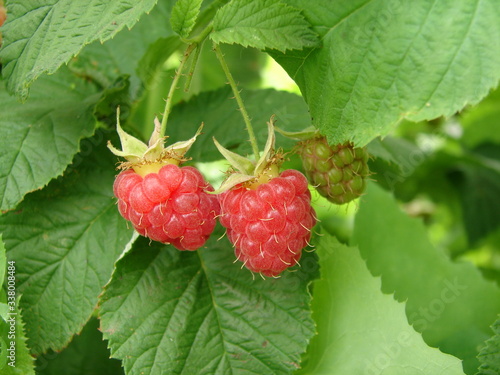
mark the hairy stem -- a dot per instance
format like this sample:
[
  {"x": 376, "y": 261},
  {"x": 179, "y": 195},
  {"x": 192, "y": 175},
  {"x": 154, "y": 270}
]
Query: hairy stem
[
  {"x": 173, "y": 86},
  {"x": 192, "y": 68},
  {"x": 244, "y": 113}
]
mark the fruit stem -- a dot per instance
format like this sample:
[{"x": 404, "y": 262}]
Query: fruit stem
[
  {"x": 173, "y": 86},
  {"x": 192, "y": 67},
  {"x": 244, "y": 113},
  {"x": 199, "y": 39},
  {"x": 198, "y": 42}
]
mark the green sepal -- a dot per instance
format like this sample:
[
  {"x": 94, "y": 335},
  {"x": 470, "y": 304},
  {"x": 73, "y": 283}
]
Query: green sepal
[
  {"x": 232, "y": 180},
  {"x": 156, "y": 135},
  {"x": 181, "y": 147},
  {"x": 238, "y": 162},
  {"x": 307, "y": 133},
  {"x": 248, "y": 170},
  {"x": 155, "y": 145},
  {"x": 132, "y": 148},
  {"x": 135, "y": 150},
  {"x": 267, "y": 155}
]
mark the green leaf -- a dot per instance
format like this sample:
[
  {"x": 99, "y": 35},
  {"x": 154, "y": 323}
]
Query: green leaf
[
  {"x": 168, "y": 311},
  {"x": 21, "y": 363},
  {"x": 246, "y": 66},
  {"x": 480, "y": 122},
  {"x": 113, "y": 96},
  {"x": 87, "y": 354},
  {"x": 364, "y": 79},
  {"x": 65, "y": 240},
  {"x": 490, "y": 354},
  {"x": 450, "y": 303},
  {"x": 3, "y": 261},
  {"x": 122, "y": 55},
  {"x": 395, "y": 160},
  {"x": 222, "y": 120},
  {"x": 4, "y": 311},
  {"x": 184, "y": 15},
  {"x": 469, "y": 185},
  {"x": 360, "y": 329},
  {"x": 152, "y": 62},
  {"x": 39, "y": 138},
  {"x": 14, "y": 354},
  {"x": 40, "y": 36},
  {"x": 478, "y": 184},
  {"x": 4, "y": 308},
  {"x": 269, "y": 148},
  {"x": 262, "y": 24},
  {"x": 394, "y": 151}
]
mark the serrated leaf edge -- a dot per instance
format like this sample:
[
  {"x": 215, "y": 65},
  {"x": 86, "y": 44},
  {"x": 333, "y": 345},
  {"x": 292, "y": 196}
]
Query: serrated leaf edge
[
  {"x": 184, "y": 31},
  {"x": 268, "y": 3}
]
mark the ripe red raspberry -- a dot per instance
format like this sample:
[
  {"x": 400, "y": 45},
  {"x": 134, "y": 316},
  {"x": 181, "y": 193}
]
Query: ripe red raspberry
[
  {"x": 271, "y": 224},
  {"x": 170, "y": 206},
  {"x": 338, "y": 172}
]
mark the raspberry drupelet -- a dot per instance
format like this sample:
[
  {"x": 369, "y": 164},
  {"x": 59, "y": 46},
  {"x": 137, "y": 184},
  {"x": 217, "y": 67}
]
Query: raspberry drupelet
[
  {"x": 170, "y": 206},
  {"x": 338, "y": 172},
  {"x": 269, "y": 224}
]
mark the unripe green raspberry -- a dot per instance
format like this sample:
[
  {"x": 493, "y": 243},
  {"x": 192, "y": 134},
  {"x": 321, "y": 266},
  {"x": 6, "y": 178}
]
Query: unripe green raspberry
[{"x": 338, "y": 172}]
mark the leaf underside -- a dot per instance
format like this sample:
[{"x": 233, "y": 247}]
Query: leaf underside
[
  {"x": 382, "y": 61},
  {"x": 362, "y": 330},
  {"x": 449, "y": 303},
  {"x": 262, "y": 24}
]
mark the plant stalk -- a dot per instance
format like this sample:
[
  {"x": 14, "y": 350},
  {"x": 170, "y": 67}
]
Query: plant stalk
[
  {"x": 244, "y": 113},
  {"x": 200, "y": 38},
  {"x": 173, "y": 86},
  {"x": 192, "y": 68}
]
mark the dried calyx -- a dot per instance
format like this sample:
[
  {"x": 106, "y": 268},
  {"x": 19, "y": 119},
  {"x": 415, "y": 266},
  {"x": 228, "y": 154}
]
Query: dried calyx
[
  {"x": 149, "y": 158},
  {"x": 248, "y": 173}
]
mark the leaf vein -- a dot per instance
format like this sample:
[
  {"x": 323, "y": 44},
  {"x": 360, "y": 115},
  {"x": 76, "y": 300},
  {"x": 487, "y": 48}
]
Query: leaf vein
[{"x": 452, "y": 60}]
